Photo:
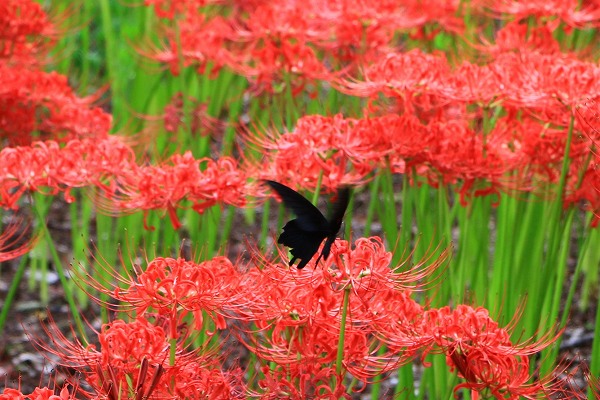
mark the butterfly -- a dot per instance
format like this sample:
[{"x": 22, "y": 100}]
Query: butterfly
[{"x": 304, "y": 234}]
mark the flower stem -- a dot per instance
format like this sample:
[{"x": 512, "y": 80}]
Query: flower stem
[
  {"x": 340, "y": 350},
  {"x": 61, "y": 274}
]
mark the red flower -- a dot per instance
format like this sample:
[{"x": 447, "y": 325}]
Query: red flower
[
  {"x": 128, "y": 351},
  {"x": 546, "y": 82},
  {"x": 271, "y": 63},
  {"x": 33, "y": 100},
  {"x": 48, "y": 394},
  {"x": 125, "y": 187},
  {"x": 180, "y": 181},
  {"x": 277, "y": 384},
  {"x": 215, "y": 33},
  {"x": 518, "y": 35},
  {"x": 318, "y": 148},
  {"x": 281, "y": 43},
  {"x": 400, "y": 75},
  {"x": 26, "y": 32},
  {"x": 175, "y": 287},
  {"x": 572, "y": 12},
  {"x": 482, "y": 352},
  {"x": 38, "y": 394},
  {"x": 299, "y": 313},
  {"x": 11, "y": 394},
  {"x": 48, "y": 168},
  {"x": 39, "y": 101}
]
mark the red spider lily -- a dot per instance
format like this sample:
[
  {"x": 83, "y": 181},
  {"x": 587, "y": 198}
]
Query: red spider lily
[
  {"x": 448, "y": 151},
  {"x": 315, "y": 151},
  {"x": 291, "y": 43},
  {"x": 157, "y": 187},
  {"x": 305, "y": 356},
  {"x": 43, "y": 102},
  {"x": 586, "y": 169},
  {"x": 400, "y": 75},
  {"x": 277, "y": 384},
  {"x": 215, "y": 33},
  {"x": 546, "y": 83},
  {"x": 286, "y": 297},
  {"x": 13, "y": 242},
  {"x": 26, "y": 33},
  {"x": 123, "y": 346},
  {"x": 114, "y": 371},
  {"x": 482, "y": 352},
  {"x": 541, "y": 153},
  {"x": 48, "y": 168},
  {"x": 365, "y": 269},
  {"x": 48, "y": 394},
  {"x": 518, "y": 153},
  {"x": 33, "y": 101},
  {"x": 174, "y": 288},
  {"x": 126, "y": 187},
  {"x": 571, "y": 12},
  {"x": 300, "y": 351},
  {"x": 222, "y": 181},
  {"x": 167, "y": 186},
  {"x": 358, "y": 31},
  {"x": 517, "y": 35},
  {"x": 367, "y": 143},
  {"x": 271, "y": 63},
  {"x": 458, "y": 153},
  {"x": 472, "y": 83},
  {"x": 278, "y": 46},
  {"x": 587, "y": 116},
  {"x": 381, "y": 300},
  {"x": 12, "y": 394},
  {"x": 588, "y": 190},
  {"x": 299, "y": 314},
  {"x": 38, "y": 394}
]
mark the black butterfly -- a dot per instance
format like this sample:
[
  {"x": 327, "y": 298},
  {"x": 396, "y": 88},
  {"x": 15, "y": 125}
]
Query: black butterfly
[{"x": 304, "y": 234}]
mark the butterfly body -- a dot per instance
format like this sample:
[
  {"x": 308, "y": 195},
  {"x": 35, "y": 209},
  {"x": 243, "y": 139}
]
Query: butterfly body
[{"x": 304, "y": 234}]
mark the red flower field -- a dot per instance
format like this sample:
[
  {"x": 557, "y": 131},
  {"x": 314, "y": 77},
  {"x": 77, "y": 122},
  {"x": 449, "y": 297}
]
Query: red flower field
[{"x": 139, "y": 251}]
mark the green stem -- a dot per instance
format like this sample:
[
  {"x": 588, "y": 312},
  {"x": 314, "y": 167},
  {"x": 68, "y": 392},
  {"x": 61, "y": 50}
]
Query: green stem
[
  {"x": 12, "y": 292},
  {"x": 62, "y": 275},
  {"x": 373, "y": 201},
  {"x": 340, "y": 349}
]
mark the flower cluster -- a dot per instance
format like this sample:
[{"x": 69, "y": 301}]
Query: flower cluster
[
  {"x": 511, "y": 119},
  {"x": 26, "y": 33},
  {"x": 110, "y": 165},
  {"x": 131, "y": 360},
  {"x": 276, "y": 43},
  {"x": 38, "y": 393},
  {"x": 293, "y": 321},
  {"x": 517, "y": 154},
  {"x": 571, "y": 12},
  {"x": 35, "y": 104}
]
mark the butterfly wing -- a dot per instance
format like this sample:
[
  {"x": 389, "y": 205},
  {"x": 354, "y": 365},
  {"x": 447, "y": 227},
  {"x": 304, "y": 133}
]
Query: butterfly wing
[
  {"x": 335, "y": 222},
  {"x": 304, "y": 234},
  {"x": 339, "y": 209},
  {"x": 309, "y": 218},
  {"x": 303, "y": 244}
]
